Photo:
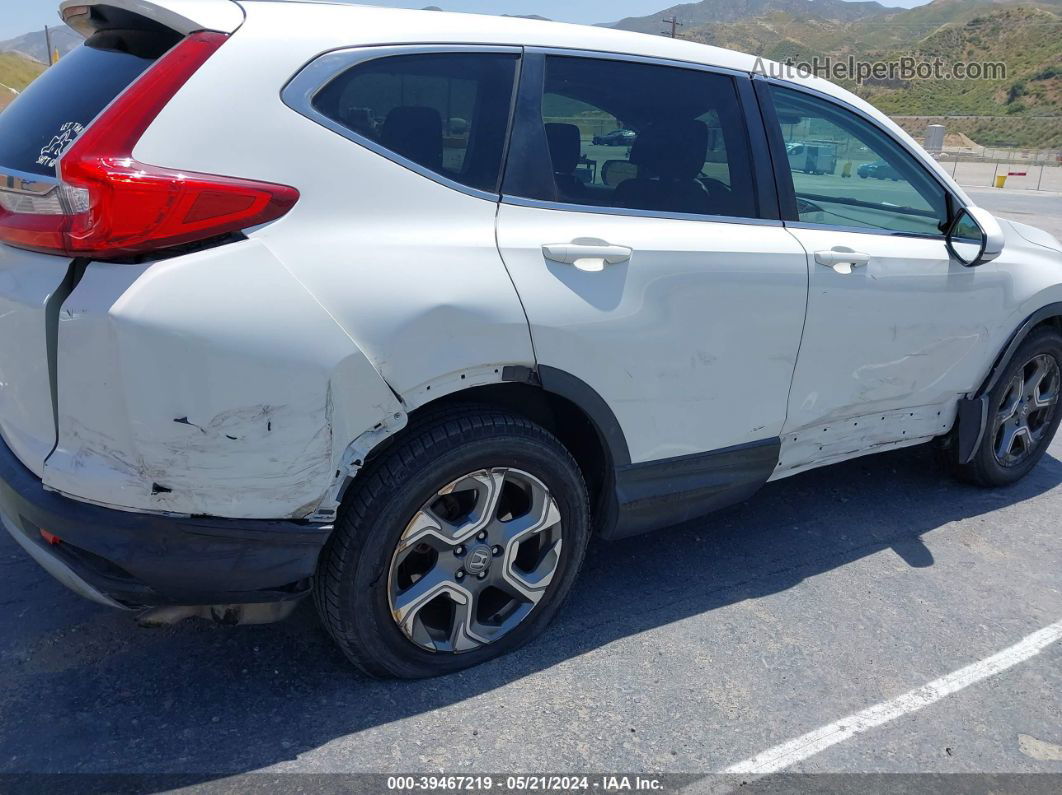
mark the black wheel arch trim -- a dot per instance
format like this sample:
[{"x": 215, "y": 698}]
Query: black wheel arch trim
[
  {"x": 657, "y": 494},
  {"x": 973, "y": 411},
  {"x": 565, "y": 385}
]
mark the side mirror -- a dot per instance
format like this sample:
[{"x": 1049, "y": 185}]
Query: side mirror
[{"x": 974, "y": 237}]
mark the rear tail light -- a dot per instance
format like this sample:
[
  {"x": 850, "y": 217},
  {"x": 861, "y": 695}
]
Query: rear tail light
[{"x": 107, "y": 204}]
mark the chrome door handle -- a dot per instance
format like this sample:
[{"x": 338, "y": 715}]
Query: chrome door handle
[
  {"x": 591, "y": 257},
  {"x": 842, "y": 259}
]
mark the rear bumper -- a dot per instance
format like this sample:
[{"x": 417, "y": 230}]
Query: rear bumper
[{"x": 125, "y": 559}]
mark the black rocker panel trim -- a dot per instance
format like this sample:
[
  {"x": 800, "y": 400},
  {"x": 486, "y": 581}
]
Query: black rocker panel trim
[
  {"x": 657, "y": 494},
  {"x": 651, "y": 495}
]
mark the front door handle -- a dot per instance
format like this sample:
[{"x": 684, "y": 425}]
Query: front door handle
[
  {"x": 842, "y": 259},
  {"x": 587, "y": 255}
]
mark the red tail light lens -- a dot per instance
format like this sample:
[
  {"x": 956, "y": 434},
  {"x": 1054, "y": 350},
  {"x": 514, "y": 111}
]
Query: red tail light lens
[{"x": 108, "y": 204}]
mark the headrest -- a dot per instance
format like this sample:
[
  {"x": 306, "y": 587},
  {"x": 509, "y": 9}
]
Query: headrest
[
  {"x": 415, "y": 133},
  {"x": 672, "y": 149},
  {"x": 565, "y": 147}
]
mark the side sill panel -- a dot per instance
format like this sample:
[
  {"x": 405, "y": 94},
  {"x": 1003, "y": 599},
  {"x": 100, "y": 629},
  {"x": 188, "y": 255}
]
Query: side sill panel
[{"x": 656, "y": 494}]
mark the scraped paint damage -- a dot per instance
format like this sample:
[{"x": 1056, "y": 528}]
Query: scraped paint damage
[
  {"x": 269, "y": 454},
  {"x": 843, "y": 438}
]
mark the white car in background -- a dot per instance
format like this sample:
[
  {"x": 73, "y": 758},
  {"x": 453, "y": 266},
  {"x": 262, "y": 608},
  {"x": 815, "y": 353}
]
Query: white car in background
[{"x": 272, "y": 324}]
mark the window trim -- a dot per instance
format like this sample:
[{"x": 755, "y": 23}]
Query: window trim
[
  {"x": 545, "y": 204},
  {"x": 529, "y": 105},
  {"x": 784, "y": 179},
  {"x": 304, "y": 87}
]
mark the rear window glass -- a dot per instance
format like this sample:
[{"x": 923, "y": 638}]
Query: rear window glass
[
  {"x": 446, "y": 112},
  {"x": 48, "y": 116},
  {"x": 640, "y": 136}
]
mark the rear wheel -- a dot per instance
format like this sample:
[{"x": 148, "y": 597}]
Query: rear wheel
[
  {"x": 1023, "y": 413},
  {"x": 457, "y": 545}
]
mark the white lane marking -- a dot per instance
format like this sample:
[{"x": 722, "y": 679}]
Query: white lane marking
[{"x": 796, "y": 750}]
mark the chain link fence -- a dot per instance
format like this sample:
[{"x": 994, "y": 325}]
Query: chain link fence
[
  {"x": 978, "y": 150},
  {"x": 1023, "y": 169}
]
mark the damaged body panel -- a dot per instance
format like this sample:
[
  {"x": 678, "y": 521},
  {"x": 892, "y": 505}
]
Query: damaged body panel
[
  {"x": 30, "y": 286},
  {"x": 408, "y": 268},
  {"x": 890, "y": 350},
  {"x": 169, "y": 397}
]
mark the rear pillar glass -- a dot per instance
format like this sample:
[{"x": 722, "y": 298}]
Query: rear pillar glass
[
  {"x": 444, "y": 112},
  {"x": 49, "y": 115}
]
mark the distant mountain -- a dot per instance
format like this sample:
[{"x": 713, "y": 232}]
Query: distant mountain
[
  {"x": 692, "y": 15},
  {"x": 33, "y": 46},
  {"x": 1022, "y": 108}
]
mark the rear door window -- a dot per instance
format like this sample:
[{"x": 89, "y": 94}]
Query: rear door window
[
  {"x": 49, "y": 115},
  {"x": 638, "y": 136},
  {"x": 444, "y": 112}
]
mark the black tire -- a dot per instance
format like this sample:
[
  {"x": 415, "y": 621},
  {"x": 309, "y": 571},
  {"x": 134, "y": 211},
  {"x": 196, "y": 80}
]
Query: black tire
[
  {"x": 351, "y": 587},
  {"x": 984, "y": 469}
]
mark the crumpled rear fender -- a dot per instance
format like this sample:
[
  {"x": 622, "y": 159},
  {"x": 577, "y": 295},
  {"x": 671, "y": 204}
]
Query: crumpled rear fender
[{"x": 208, "y": 384}]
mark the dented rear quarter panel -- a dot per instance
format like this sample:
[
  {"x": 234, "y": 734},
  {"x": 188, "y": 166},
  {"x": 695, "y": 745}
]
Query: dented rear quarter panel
[
  {"x": 212, "y": 383},
  {"x": 29, "y": 282},
  {"x": 408, "y": 267}
]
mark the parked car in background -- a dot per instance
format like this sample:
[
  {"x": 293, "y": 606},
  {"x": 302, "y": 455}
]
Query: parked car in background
[
  {"x": 273, "y": 324},
  {"x": 879, "y": 169},
  {"x": 622, "y": 137}
]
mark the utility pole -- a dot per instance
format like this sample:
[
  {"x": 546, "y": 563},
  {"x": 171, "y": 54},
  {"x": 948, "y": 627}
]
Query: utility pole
[
  {"x": 48, "y": 43},
  {"x": 675, "y": 25}
]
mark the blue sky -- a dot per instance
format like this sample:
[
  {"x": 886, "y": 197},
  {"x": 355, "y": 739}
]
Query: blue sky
[{"x": 22, "y": 16}]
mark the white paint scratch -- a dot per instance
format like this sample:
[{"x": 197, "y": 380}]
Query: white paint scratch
[{"x": 807, "y": 745}]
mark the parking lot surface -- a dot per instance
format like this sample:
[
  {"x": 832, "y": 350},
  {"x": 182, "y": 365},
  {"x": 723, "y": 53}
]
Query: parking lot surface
[{"x": 689, "y": 650}]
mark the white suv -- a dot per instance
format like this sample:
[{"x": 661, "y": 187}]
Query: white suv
[{"x": 318, "y": 298}]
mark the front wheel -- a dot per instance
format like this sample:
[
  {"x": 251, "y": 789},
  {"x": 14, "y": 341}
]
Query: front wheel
[
  {"x": 1023, "y": 413},
  {"x": 458, "y": 544}
]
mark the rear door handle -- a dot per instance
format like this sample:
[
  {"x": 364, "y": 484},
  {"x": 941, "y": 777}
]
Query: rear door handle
[
  {"x": 842, "y": 259},
  {"x": 591, "y": 257}
]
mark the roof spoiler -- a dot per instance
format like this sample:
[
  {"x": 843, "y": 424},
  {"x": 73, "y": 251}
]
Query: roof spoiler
[{"x": 183, "y": 16}]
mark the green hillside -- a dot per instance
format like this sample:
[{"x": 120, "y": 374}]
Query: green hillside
[
  {"x": 1027, "y": 40},
  {"x": 16, "y": 72},
  {"x": 1026, "y": 37}
]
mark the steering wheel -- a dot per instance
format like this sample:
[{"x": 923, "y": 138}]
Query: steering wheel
[{"x": 716, "y": 187}]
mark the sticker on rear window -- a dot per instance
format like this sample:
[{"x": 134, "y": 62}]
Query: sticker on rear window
[{"x": 60, "y": 143}]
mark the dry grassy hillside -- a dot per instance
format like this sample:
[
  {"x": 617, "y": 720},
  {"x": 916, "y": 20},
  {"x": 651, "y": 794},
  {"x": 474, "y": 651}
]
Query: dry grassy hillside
[{"x": 16, "y": 72}]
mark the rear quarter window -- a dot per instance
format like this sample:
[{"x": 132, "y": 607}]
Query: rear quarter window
[
  {"x": 49, "y": 115},
  {"x": 445, "y": 112}
]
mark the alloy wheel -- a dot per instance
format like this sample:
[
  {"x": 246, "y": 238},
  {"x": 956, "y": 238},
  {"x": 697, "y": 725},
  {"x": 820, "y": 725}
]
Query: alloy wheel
[
  {"x": 475, "y": 560},
  {"x": 1025, "y": 411}
]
